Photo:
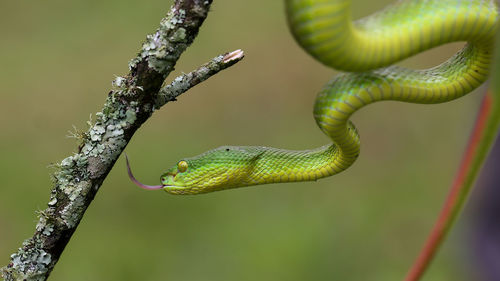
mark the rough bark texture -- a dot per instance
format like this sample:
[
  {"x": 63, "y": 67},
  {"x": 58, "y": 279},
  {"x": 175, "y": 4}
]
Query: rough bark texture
[{"x": 130, "y": 103}]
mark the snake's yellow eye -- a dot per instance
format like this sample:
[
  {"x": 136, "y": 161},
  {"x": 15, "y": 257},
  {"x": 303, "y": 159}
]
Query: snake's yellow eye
[{"x": 182, "y": 166}]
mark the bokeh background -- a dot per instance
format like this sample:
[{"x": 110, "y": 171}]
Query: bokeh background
[{"x": 58, "y": 59}]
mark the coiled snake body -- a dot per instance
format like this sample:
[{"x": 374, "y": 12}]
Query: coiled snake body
[{"x": 325, "y": 30}]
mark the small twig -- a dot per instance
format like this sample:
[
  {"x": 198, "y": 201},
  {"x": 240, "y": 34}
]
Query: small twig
[
  {"x": 186, "y": 81},
  {"x": 127, "y": 107}
]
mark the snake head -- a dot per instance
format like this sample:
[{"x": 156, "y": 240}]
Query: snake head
[
  {"x": 221, "y": 168},
  {"x": 217, "y": 169}
]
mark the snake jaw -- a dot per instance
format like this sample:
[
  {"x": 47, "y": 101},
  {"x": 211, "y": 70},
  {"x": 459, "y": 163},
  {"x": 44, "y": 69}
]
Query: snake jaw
[
  {"x": 176, "y": 186},
  {"x": 176, "y": 190},
  {"x": 167, "y": 181}
]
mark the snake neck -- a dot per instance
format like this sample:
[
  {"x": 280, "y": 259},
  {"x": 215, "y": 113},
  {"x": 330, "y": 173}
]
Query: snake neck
[{"x": 273, "y": 165}]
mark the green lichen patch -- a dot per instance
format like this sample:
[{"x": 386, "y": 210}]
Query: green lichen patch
[
  {"x": 162, "y": 48},
  {"x": 178, "y": 36},
  {"x": 72, "y": 212},
  {"x": 30, "y": 263}
]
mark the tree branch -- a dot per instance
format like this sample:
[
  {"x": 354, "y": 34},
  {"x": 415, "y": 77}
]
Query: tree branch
[
  {"x": 127, "y": 107},
  {"x": 186, "y": 81}
]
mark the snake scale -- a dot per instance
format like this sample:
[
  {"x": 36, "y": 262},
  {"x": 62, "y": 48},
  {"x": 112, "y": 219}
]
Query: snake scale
[{"x": 365, "y": 48}]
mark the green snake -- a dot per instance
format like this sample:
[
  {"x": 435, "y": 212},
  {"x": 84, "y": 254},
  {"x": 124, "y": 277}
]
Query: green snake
[
  {"x": 365, "y": 49},
  {"x": 325, "y": 30}
]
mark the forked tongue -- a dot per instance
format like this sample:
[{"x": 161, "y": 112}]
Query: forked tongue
[{"x": 134, "y": 180}]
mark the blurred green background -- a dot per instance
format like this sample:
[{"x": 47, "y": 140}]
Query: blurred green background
[{"x": 368, "y": 223}]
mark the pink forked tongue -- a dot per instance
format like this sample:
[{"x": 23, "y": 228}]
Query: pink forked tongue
[{"x": 132, "y": 178}]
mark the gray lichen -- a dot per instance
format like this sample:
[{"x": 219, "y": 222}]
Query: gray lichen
[{"x": 158, "y": 47}]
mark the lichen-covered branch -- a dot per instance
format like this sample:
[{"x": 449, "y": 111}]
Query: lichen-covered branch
[{"x": 127, "y": 107}]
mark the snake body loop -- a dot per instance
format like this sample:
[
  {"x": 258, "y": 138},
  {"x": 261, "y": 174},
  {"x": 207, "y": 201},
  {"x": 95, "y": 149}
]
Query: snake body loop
[{"x": 366, "y": 48}]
